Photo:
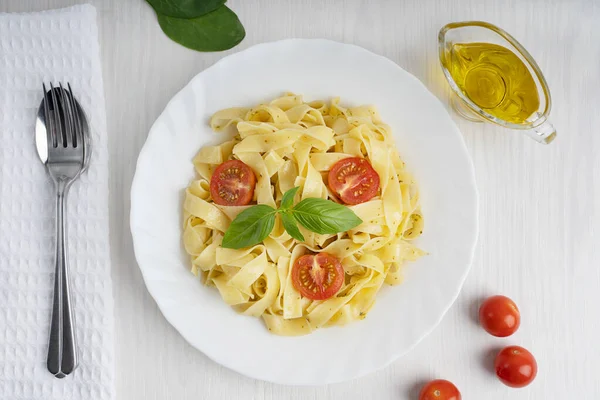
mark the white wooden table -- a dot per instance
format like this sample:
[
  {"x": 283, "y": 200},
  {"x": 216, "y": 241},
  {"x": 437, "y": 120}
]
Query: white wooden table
[{"x": 540, "y": 206}]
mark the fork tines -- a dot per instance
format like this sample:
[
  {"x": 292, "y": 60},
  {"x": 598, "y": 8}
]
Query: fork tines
[{"x": 62, "y": 117}]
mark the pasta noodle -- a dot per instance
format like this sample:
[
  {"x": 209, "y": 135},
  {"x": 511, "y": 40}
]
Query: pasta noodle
[{"x": 289, "y": 143}]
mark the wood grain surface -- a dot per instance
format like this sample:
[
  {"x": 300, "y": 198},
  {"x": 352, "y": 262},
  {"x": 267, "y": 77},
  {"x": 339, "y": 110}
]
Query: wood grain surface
[{"x": 540, "y": 205}]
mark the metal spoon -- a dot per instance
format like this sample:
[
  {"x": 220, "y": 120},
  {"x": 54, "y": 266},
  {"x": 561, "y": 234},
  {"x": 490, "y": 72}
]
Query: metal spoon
[{"x": 63, "y": 145}]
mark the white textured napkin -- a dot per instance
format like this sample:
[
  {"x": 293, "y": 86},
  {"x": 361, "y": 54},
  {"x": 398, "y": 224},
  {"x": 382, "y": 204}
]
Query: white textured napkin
[{"x": 52, "y": 46}]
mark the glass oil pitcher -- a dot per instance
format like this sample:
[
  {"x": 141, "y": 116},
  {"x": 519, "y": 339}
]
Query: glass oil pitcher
[{"x": 495, "y": 79}]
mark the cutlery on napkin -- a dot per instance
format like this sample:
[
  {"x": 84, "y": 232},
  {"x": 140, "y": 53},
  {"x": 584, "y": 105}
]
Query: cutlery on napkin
[{"x": 51, "y": 46}]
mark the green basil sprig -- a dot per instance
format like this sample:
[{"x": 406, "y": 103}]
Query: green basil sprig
[{"x": 254, "y": 224}]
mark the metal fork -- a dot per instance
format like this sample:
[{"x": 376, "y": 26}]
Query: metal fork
[{"x": 61, "y": 138}]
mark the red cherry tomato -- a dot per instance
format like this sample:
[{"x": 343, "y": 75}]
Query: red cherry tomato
[
  {"x": 440, "y": 389},
  {"x": 515, "y": 366},
  {"x": 499, "y": 316},
  {"x": 232, "y": 184},
  {"x": 353, "y": 180},
  {"x": 317, "y": 277}
]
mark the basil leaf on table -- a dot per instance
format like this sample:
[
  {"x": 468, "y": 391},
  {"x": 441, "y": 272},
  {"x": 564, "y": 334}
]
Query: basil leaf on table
[
  {"x": 287, "y": 201},
  {"x": 215, "y": 31},
  {"x": 185, "y": 8},
  {"x": 250, "y": 227},
  {"x": 291, "y": 226},
  {"x": 324, "y": 216}
]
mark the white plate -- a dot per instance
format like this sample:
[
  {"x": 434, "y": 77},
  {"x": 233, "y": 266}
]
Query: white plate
[{"x": 428, "y": 141}]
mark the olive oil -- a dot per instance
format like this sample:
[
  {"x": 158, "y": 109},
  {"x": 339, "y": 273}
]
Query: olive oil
[{"x": 495, "y": 79}]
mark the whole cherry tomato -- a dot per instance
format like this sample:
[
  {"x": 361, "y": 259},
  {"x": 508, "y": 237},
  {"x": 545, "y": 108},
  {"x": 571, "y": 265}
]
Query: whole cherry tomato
[
  {"x": 440, "y": 389},
  {"x": 515, "y": 366},
  {"x": 499, "y": 316}
]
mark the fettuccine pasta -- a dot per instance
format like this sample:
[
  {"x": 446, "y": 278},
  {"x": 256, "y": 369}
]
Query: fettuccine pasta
[{"x": 291, "y": 143}]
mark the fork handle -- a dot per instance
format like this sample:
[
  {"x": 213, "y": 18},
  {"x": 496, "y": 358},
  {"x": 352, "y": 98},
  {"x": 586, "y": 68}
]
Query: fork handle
[{"x": 62, "y": 352}]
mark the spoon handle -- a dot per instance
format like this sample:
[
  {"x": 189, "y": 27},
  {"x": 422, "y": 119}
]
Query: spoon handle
[{"x": 62, "y": 352}]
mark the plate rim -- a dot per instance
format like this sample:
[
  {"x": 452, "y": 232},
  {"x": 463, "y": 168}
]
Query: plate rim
[{"x": 392, "y": 356}]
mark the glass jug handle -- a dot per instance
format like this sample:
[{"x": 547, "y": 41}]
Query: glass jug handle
[{"x": 545, "y": 133}]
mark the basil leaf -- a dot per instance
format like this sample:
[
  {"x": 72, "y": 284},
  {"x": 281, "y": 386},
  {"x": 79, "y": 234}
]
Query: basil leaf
[
  {"x": 250, "y": 227},
  {"x": 215, "y": 31},
  {"x": 324, "y": 216},
  {"x": 291, "y": 226},
  {"x": 287, "y": 200},
  {"x": 185, "y": 8}
]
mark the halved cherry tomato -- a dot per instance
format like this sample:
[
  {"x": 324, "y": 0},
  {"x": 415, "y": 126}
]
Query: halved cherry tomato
[
  {"x": 440, "y": 389},
  {"x": 515, "y": 366},
  {"x": 232, "y": 184},
  {"x": 317, "y": 277},
  {"x": 499, "y": 316},
  {"x": 353, "y": 180}
]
